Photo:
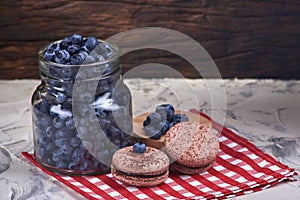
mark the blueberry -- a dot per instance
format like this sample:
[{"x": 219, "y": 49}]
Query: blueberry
[
  {"x": 172, "y": 124},
  {"x": 163, "y": 112},
  {"x": 100, "y": 90},
  {"x": 62, "y": 56},
  {"x": 49, "y": 56},
  {"x": 149, "y": 129},
  {"x": 65, "y": 42},
  {"x": 73, "y": 48},
  {"x": 91, "y": 42},
  {"x": 54, "y": 84},
  {"x": 95, "y": 163},
  {"x": 180, "y": 118},
  {"x": 61, "y": 97},
  {"x": 49, "y": 160},
  {"x": 100, "y": 113},
  {"x": 67, "y": 106},
  {"x": 42, "y": 141},
  {"x": 58, "y": 155},
  {"x": 114, "y": 132},
  {"x": 108, "y": 70},
  {"x": 84, "y": 165},
  {"x": 147, "y": 121},
  {"x": 104, "y": 123},
  {"x": 63, "y": 133},
  {"x": 155, "y": 117},
  {"x": 43, "y": 121},
  {"x": 105, "y": 49},
  {"x": 152, "y": 118},
  {"x": 42, "y": 108},
  {"x": 78, "y": 58},
  {"x": 50, "y": 131},
  {"x": 61, "y": 141},
  {"x": 153, "y": 132},
  {"x": 75, "y": 142},
  {"x": 77, "y": 154},
  {"x": 42, "y": 152},
  {"x": 67, "y": 149},
  {"x": 125, "y": 143},
  {"x": 69, "y": 87},
  {"x": 50, "y": 147},
  {"x": 62, "y": 164},
  {"x": 70, "y": 124},
  {"x": 76, "y": 38},
  {"x": 58, "y": 122},
  {"x": 139, "y": 147},
  {"x": 166, "y": 110},
  {"x": 49, "y": 96},
  {"x": 36, "y": 110},
  {"x": 164, "y": 126},
  {"x": 84, "y": 48},
  {"x": 73, "y": 165},
  {"x": 53, "y": 47},
  {"x": 157, "y": 135},
  {"x": 184, "y": 118},
  {"x": 50, "y": 51}
]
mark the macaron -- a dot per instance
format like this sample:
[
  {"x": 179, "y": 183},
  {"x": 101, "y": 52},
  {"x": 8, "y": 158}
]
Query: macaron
[
  {"x": 191, "y": 146},
  {"x": 148, "y": 168}
]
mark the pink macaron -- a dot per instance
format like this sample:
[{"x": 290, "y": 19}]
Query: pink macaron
[{"x": 192, "y": 147}]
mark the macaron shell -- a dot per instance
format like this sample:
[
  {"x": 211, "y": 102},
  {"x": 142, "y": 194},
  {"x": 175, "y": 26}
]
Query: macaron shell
[
  {"x": 192, "y": 144},
  {"x": 186, "y": 170},
  {"x": 151, "y": 162},
  {"x": 138, "y": 181}
]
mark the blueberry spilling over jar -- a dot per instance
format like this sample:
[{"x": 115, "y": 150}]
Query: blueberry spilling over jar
[{"x": 82, "y": 109}]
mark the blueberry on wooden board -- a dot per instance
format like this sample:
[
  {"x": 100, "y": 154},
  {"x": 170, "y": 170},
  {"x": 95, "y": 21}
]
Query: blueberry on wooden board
[{"x": 159, "y": 122}]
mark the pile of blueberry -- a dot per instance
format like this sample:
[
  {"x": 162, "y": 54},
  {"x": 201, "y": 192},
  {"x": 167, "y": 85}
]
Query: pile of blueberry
[
  {"x": 72, "y": 50},
  {"x": 159, "y": 122},
  {"x": 57, "y": 133}
]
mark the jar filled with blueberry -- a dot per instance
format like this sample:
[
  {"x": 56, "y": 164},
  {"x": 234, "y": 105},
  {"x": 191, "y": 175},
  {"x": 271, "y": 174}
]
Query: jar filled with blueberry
[{"x": 81, "y": 110}]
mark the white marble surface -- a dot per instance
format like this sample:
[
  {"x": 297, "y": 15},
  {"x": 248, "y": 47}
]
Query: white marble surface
[{"x": 266, "y": 112}]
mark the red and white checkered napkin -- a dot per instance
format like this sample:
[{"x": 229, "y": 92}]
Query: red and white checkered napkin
[{"x": 240, "y": 168}]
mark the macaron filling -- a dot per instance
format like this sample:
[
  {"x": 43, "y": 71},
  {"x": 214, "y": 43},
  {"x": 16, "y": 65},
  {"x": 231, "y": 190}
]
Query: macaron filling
[
  {"x": 198, "y": 167},
  {"x": 141, "y": 175}
]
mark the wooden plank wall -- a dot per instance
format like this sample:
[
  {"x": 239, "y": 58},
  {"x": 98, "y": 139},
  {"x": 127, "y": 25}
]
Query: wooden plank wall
[{"x": 246, "y": 38}]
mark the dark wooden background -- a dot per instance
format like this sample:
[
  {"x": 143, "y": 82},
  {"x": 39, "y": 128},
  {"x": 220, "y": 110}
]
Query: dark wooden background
[{"x": 246, "y": 38}]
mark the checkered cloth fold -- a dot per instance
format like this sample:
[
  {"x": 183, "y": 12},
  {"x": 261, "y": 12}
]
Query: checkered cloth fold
[{"x": 240, "y": 168}]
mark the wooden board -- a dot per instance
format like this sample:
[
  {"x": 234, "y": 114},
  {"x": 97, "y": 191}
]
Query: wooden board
[
  {"x": 139, "y": 133},
  {"x": 256, "y": 39}
]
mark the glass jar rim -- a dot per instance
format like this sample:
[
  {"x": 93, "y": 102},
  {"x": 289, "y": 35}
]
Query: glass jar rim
[{"x": 114, "y": 56}]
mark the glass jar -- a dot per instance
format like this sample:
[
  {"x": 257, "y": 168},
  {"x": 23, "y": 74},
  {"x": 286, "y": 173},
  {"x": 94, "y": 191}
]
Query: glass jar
[{"x": 82, "y": 114}]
